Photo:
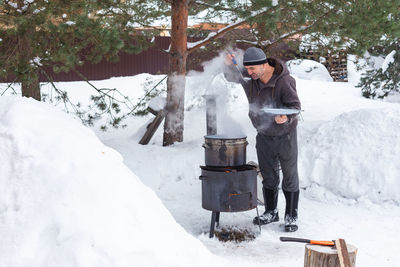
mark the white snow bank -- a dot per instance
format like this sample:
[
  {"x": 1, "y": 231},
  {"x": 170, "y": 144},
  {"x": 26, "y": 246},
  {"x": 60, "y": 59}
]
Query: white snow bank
[
  {"x": 68, "y": 200},
  {"x": 308, "y": 70},
  {"x": 355, "y": 155}
]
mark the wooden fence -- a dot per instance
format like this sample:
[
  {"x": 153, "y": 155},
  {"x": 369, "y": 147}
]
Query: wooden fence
[{"x": 155, "y": 61}]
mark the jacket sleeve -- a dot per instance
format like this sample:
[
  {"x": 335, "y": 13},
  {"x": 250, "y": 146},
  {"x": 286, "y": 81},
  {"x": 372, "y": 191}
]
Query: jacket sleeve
[
  {"x": 232, "y": 74},
  {"x": 289, "y": 97}
]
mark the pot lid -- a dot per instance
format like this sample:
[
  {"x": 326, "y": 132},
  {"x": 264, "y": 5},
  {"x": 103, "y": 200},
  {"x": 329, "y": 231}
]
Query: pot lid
[{"x": 225, "y": 136}]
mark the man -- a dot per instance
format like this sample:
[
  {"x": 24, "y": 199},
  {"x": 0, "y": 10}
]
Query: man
[{"x": 271, "y": 86}]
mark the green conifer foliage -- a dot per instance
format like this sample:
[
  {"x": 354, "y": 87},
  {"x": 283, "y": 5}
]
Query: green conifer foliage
[
  {"x": 378, "y": 83},
  {"x": 36, "y": 35},
  {"x": 64, "y": 34}
]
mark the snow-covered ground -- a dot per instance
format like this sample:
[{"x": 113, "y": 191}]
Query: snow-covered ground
[{"x": 68, "y": 198}]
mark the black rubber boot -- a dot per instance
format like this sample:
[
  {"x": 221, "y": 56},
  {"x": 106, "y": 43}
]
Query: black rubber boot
[
  {"x": 271, "y": 212},
  {"x": 270, "y": 199},
  {"x": 292, "y": 202}
]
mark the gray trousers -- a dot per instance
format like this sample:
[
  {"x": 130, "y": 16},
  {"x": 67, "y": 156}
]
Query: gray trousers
[{"x": 272, "y": 150}]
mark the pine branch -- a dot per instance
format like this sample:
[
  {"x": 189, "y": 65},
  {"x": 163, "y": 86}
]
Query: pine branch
[
  {"x": 149, "y": 26},
  {"x": 102, "y": 91},
  {"x": 215, "y": 7},
  {"x": 145, "y": 96},
  {"x": 9, "y": 87},
  {"x": 212, "y": 36},
  {"x": 63, "y": 95},
  {"x": 301, "y": 29},
  {"x": 108, "y": 96}
]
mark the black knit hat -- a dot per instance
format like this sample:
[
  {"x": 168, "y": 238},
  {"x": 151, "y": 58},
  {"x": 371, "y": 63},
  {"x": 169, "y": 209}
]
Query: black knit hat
[{"x": 254, "y": 56}]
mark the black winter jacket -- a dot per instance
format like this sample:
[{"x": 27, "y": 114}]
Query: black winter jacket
[{"x": 278, "y": 92}]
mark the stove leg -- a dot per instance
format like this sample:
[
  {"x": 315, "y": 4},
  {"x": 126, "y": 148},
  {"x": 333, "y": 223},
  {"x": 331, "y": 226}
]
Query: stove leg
[
  {"x": 213, "y": 218},
  {"x": 217, "y": 218},
  {"x": 258, "y": 218}
]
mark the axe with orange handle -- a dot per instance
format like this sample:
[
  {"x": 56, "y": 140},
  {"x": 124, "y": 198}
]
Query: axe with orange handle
[{"x": 309, "y": 241}]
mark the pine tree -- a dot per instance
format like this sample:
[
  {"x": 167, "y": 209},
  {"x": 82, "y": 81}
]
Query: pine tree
[
  {"x": 64, "y": 34},
  {"x": 60, "y": 35}
]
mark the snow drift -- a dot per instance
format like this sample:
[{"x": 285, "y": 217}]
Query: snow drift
[
  {"x": 355, "y": 155},
  {"x": 68, "y": 200},
  {"x": 308, "y": 70}
]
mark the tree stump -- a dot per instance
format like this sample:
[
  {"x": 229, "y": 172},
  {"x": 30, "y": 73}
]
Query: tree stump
[{"x": 326, "y": 256}]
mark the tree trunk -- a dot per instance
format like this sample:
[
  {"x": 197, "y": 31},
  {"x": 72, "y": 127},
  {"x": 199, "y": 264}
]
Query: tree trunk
[
  {"x": 28, "y": 73},
  {"x": 173, "y": 125},
  {"x": 30, "y": 85}
]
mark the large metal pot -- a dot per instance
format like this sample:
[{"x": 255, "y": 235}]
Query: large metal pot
[{"x": 223, "y": 151}]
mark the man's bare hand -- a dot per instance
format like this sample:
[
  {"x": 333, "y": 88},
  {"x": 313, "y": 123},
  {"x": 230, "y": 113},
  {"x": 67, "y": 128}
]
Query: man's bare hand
[
  {"x": 280, "y": 119},
  {"x": 229, "y": 59}
]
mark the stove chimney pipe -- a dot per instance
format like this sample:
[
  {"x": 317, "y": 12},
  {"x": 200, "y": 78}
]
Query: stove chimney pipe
[{"x": 211, "y": 114}]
